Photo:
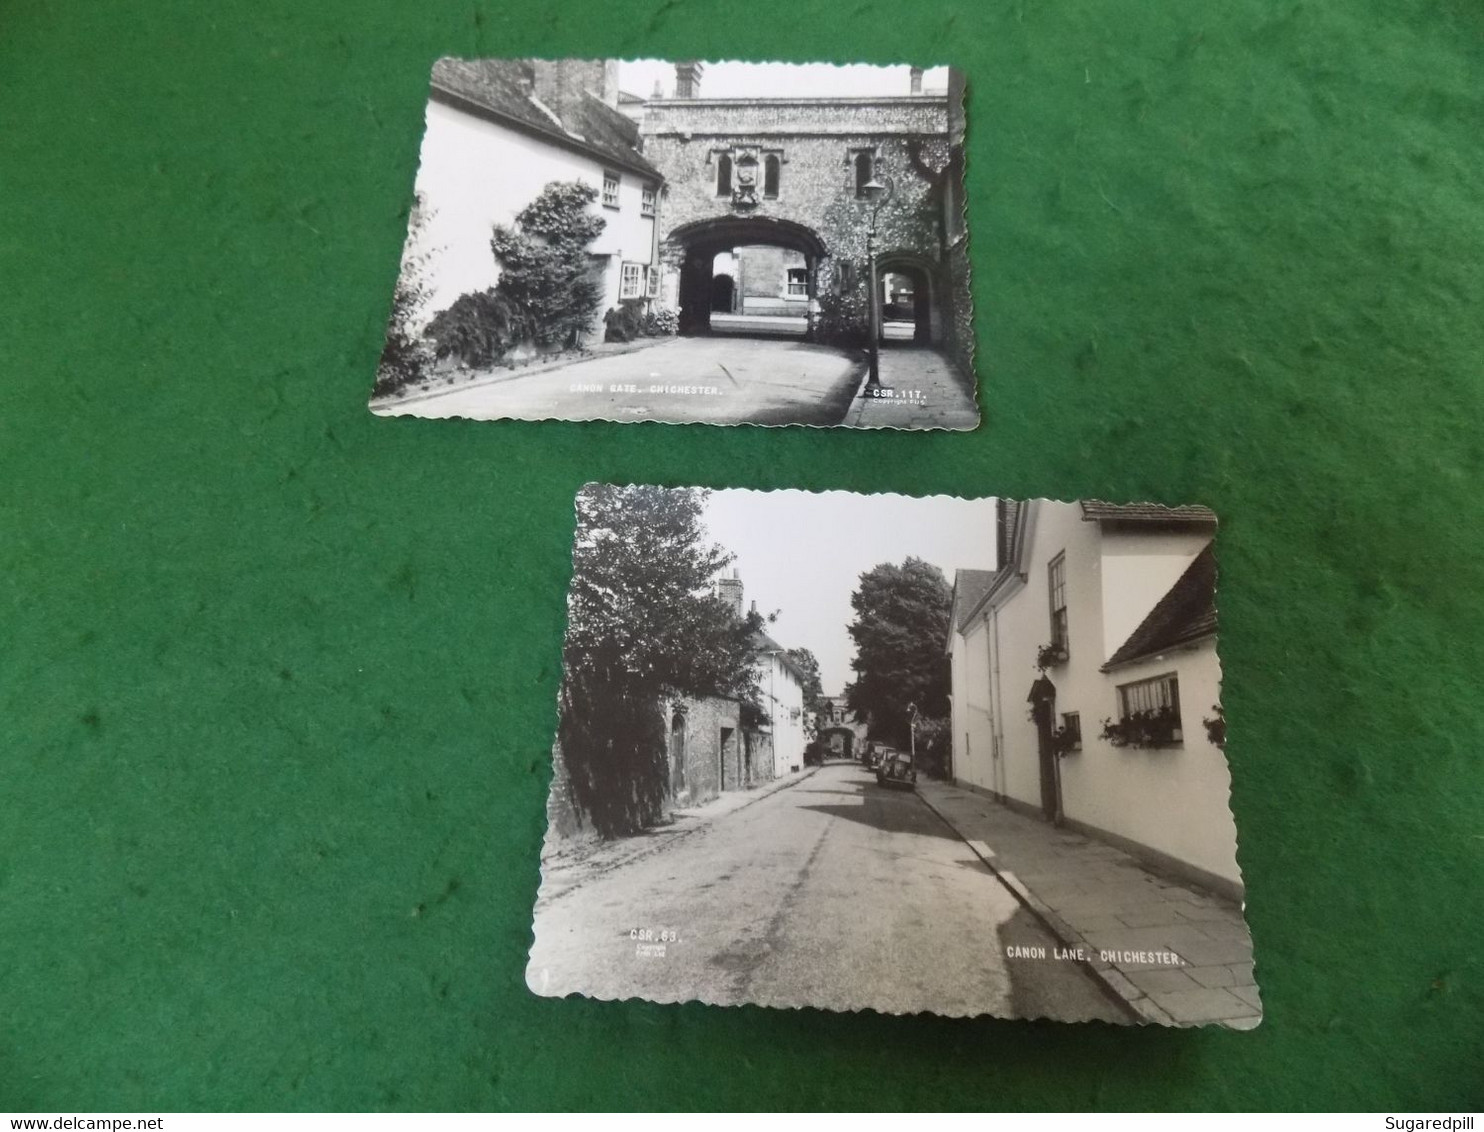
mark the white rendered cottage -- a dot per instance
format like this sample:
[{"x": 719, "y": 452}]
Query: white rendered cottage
[
  {"x": 500, "y": 130},
  {"x": 1098, "y": 613}
]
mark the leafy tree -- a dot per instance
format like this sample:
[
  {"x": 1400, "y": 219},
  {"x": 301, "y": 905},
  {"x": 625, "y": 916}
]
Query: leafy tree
[
  {"x": 545, "y": 272},
  {"x": 404, "y": 359},
  {"x": 643, "y": 628},
  {"x": 479, "y": 328},
  {"x": 901, "y": 622},
  {"x": 813, "y": 689}
]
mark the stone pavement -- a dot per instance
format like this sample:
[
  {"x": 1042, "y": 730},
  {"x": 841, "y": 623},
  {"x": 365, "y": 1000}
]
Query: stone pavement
[
  {"x": 450, "y": 377},
  {"x": 565, "y": 865},
  {"x": 1176, "y": 955},
  {"x": 923, "y": 389}
]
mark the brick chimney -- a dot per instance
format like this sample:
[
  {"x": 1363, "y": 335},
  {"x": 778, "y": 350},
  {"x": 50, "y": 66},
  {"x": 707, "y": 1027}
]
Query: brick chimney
[
  {"x": 916, "y": 80},
  {"x": 730, "y": 591},
  {"x": 558, "y": 83},
  {"x": 688, "y": 79}
]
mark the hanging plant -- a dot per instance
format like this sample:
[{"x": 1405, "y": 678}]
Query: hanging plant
[
  {"x": 1216, "y": 727},
  {"x": 1050, "y": 655},
  {"x": 1065, "y": 742},
  {"x": 1159, "y": 727}
]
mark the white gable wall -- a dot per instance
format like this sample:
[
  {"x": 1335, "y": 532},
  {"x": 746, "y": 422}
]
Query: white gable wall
[
  {"x": 1173, "y": 801},
  {"x": 474, "y": 174},
  {"x": 783, "y": 701}
]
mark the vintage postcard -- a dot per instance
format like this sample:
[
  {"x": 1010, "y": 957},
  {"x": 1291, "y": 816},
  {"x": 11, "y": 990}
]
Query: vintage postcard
[
  {"x": 764, "y": 243},
  {"x": 970, "y": 761}
]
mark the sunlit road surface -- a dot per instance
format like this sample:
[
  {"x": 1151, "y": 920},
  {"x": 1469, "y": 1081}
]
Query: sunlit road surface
[
  {"x": 833, "y": 893},
  {"x": 721, "y": 380}
]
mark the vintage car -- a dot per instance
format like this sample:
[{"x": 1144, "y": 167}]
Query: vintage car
[{"x": 896, "y": 770}]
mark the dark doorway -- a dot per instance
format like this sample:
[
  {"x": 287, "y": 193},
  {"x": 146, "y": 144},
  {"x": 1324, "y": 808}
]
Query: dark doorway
[
  {"x": 908, "y": 311},
  {"x": 726, "y": 754},
  {"x": 677, "y": 753},
  {"x": 723, "y": 289},
  {"x": 1043, "y": 710}
]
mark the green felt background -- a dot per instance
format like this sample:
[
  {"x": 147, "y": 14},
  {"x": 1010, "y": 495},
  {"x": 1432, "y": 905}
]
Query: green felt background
[{"x": 273, "y": 673}]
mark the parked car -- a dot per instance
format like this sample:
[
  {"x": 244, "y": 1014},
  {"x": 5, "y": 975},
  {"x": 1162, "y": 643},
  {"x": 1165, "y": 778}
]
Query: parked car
[{"x": 896, "y": 770}]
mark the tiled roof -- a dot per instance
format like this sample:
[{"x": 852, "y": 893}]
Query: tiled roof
[
  {"x": 968, "y": 587},
  {"x": 500, "y": 87},
  {"x": 1184, "y": 615},
  {"x": 1146, "y": 512},
  {"x": 766, "y": 645}
]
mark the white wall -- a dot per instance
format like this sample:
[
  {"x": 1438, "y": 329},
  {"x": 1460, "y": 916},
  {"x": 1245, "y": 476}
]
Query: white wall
[
  {"x": 783, "y": 700},
  {"x": 974, "y": 754},
  {"x": 475, "y": 174},
  {"x": 1176, "y": 799},
  {"x": 1138, "y": 568},
  {"x": 1173, "y": 800}
]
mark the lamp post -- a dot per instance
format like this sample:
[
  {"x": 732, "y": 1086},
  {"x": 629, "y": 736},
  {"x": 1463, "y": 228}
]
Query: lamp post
[{"x": 878, "y": 192}]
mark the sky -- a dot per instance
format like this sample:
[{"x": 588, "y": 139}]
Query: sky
[
  {"x": 802, "y": 554},
  {"x": 778, "y": 80}
]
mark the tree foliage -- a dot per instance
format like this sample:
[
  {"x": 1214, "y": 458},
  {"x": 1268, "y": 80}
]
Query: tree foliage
[
  {"x": 479, "y": 328},
  {"x": 813, "y": 688},
  {"x": 643, "y": 628},
  {"x": 901, "y": 623},
  {"x": 545, "y": 273},
  {"x": 404, "y": 359}
]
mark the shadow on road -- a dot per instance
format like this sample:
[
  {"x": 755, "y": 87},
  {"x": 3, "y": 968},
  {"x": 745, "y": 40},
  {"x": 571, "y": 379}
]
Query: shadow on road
[
  {"x": 1049, "y": 987},
  {"x": 906, "y": 815}
]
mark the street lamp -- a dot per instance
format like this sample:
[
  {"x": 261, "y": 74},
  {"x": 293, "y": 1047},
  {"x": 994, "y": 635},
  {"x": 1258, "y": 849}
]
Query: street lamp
[{"x": 878, "y": 192}]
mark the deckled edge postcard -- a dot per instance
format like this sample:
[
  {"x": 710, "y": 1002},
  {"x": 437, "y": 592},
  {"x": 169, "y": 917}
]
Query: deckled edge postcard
[
  {"x": 844, "y": 751},
  {"x": 729, "y": 243}
]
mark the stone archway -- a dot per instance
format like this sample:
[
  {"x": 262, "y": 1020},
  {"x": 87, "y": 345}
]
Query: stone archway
[
  {"x": 846, "y": 736},
  {"x": 926, "y": 313},
  {"x": 693, "y": 247}
]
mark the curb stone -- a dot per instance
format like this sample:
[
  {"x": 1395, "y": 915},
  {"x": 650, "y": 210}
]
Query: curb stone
[{"x": 1111, "y": 979}]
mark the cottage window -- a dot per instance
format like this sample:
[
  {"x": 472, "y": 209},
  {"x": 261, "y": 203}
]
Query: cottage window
[
  {"x": 652, "y": 283},
  {"x": 1056, "y": 588},
  {"x": 863, "y": 170},
  {"x": 646, "y": 201},
  {"x": 772, "y": 168},
  {"x": 1071, "y": 722},
  {"x": 723, "y": 176},
  {"x": 798, "y": 282},
  {"x": 610, "y": 189},
  {"x": 631, "y": 281},
  {"x": 1149, "y": 710}
]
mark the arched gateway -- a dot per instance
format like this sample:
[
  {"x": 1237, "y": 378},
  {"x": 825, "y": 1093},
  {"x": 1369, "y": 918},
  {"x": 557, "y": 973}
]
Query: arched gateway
[
  {"x": 690, "y": 250},
  {"x": 783, "y": 195},
  {"x": 839, "y": 742}
]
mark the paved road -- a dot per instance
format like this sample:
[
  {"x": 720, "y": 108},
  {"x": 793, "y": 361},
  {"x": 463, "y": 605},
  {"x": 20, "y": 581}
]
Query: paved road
[
  {"x": 791, "y": 326},
  {"x": 832, "y": 893},
  {"x": 720, "y": 380}
]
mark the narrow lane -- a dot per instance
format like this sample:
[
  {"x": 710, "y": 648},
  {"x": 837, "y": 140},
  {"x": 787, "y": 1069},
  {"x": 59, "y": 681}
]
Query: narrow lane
[{"x": 833, "y": 893}]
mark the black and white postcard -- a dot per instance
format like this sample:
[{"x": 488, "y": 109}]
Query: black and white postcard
[
  {"x": 844, "y": 751},
  {"x": 765, "y": 243}
]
